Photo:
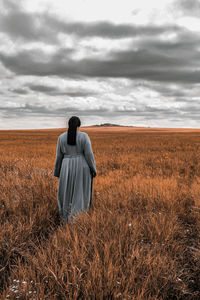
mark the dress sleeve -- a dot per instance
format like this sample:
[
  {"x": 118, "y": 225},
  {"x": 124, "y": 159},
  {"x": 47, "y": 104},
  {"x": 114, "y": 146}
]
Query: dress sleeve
[
  {"x": 58, "y": 161},
  {"x": 88, "y": 153}
]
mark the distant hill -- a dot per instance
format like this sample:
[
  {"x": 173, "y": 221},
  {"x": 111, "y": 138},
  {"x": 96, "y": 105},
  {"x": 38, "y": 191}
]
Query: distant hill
[{"x": 107, "y": 124}]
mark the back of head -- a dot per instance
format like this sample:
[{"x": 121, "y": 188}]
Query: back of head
[{"x": 73, "y": 123}]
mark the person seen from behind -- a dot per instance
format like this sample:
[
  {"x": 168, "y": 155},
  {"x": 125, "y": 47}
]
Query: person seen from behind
[{"x": 75, "y": 167}]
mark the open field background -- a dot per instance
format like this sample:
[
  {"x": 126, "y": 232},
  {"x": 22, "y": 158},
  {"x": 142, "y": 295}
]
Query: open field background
[{"x": 141, "y": 237}]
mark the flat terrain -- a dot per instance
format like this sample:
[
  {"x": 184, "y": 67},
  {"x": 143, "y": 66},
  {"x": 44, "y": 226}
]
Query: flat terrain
[{"x": 141, "y": 237}]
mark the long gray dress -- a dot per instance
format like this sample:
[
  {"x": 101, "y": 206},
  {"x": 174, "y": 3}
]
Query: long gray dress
[{"x": 73, "y": 166}]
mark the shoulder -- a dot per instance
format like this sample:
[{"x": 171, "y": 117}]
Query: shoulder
[
  {"x": 62, "y": 136},
  {"x": 84, "y": 135}
]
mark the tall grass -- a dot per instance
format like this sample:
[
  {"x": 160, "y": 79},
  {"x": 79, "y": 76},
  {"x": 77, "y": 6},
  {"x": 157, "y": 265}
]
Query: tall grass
[{"x": 139, "y": 240}]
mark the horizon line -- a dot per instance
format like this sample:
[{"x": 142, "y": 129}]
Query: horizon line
[{"x": 101, "y": 126}]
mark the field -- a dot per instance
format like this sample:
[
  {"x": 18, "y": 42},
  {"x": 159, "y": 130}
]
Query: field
[{"x": 139, "y": 240}]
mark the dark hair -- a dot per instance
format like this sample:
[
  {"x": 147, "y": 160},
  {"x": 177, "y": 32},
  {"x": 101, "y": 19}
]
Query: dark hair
[{"x": 73, "y": 123}]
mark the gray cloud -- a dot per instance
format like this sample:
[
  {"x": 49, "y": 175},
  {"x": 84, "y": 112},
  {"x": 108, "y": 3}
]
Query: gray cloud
[
  {"x": 145, "y": 111},
  {"x": 154, "y": 60},
  {"x": 54, "y": 91},
  {"x": 189, "y": 7},
  {"x": 43, "y": 27},
  {"x": 22, "y": 25},
  {"x": 36, "y": 110},
  {"x": 171, "y": 93},
  {"x": 19, "y": 91},
  {"x": 150, "y": 63},
  {"x": 10, "y": 5},
  {"x": 107, "y": 29},
  {"x": 181, "y": 92},
  {"x": 194, "y": 109},
  {"x": 148, "y": 112},
  {"x": 42, "y": 88},
  {"x": 18, "y": 24},
  {"x": 33, "y": 110}
]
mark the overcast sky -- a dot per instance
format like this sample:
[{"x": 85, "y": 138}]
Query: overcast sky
[{"x": 125, "y": 62}]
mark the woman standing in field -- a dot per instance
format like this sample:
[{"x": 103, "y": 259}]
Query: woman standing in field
[{"x": 75, "y": 167}]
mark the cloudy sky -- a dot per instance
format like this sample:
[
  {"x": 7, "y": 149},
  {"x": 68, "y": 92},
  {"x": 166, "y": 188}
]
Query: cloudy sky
[{"x": 129, "y": 62}]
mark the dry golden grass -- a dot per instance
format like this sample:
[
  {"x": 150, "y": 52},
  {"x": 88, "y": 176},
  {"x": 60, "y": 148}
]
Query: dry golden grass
[{"x": 140, "y": 239}]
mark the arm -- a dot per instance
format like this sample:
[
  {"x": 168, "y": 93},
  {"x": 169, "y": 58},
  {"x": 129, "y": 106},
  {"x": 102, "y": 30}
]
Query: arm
[
  {"x": 58, "y": 161},
  {"x": 89, "y": 156}
]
